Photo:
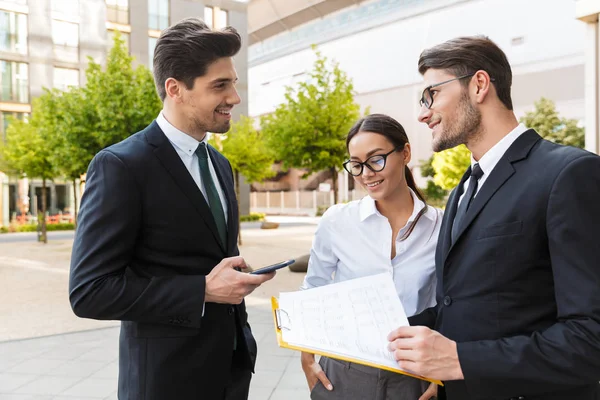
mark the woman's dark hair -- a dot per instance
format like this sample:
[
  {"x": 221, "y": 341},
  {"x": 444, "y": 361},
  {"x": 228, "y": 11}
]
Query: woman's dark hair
[
  {"x": 185, "y": 50},
  {"x": 390, "y": 128}
]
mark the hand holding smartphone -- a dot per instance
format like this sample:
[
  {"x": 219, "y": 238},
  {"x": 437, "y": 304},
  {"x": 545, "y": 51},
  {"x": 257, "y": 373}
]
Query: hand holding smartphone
[{"x": 271, "y": 268}]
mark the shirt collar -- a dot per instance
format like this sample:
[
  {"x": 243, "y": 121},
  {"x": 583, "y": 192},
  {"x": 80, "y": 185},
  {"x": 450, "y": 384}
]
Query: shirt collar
[
  {"x": 179, "y": 139},
  {"x": 368, "y": 208},
  {"x": 489, "y": 160}
]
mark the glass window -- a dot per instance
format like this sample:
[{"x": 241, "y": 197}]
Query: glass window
[
  {"x": 5, "y": 118},
  {"x": 13, "y": 32},
  {"x": 69, "y": 8},
  {"x": 151, "y": 46},
  {"x": 208, "y": 16},
  {"x": 65, "y": 36},
  {"x": 117, "y": 11},
  {"x": 215, "y": 17},
  {"x": 65, "y": 77},
  {"x": 221, "y": 19},
  {"x": 14, "y": 80},
  {"x": 110, "y": 40},
  {"x": 158, "y": 14}
]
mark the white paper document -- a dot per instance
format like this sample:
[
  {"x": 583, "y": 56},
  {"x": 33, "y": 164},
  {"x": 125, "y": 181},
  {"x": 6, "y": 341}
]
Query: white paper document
[{"x": 351, "y": 319}]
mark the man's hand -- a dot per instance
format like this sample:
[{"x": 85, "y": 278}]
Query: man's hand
[
  {"x": 226, "y": 285},
  {"x": 425, "y": 352},
  {"x": 314, "y": 372}
]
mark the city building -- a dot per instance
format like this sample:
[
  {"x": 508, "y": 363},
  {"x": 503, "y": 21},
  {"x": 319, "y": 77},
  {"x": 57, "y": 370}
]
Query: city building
[
  {"x": 588, "y": 11},
  {"x": 46, "y": 44},
  {"x": 378, "y": 42}
]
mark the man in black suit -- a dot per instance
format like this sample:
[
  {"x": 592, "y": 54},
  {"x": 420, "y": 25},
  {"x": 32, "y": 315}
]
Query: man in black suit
[
  {"x": 518, "y": 314},
  {"x": 156, "y": 242}
]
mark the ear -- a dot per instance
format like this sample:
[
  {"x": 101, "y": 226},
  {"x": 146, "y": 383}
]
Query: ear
[
  {"x": 407, "y": 153},
  {"x": 481, "y": 85},
  {"x": 174, "y": 90}
]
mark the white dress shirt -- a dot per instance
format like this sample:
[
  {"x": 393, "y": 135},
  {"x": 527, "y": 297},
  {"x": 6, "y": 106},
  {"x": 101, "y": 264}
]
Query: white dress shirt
[
  {"x": 488, "y": 161},
  {"x": 354, "y": 240},
  {"x": 186, "y": 146}
]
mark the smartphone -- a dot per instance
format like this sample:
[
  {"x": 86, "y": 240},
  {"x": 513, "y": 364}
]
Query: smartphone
[{"x": 274, "y": 267}]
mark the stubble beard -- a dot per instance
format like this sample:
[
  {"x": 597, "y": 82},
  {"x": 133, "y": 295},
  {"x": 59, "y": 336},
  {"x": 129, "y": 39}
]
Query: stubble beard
[
  {"x": 465, "y": 128},
  {"x": 213, "y": 127}
]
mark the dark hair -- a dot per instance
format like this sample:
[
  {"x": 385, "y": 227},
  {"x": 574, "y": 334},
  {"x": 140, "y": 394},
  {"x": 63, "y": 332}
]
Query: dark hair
[
  {"x": 390, "y": 128},
  {"x": 469, "y": 54},
  {"x": 185, "y": 50}
]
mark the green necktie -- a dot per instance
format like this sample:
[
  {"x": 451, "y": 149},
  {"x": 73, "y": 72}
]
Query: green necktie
[{"x": 214, "y": 202}]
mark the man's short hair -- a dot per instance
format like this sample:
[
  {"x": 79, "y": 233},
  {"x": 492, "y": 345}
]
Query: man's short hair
[{"x": 185, "y": 50}]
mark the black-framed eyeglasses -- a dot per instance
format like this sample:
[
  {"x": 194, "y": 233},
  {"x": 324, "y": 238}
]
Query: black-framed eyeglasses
[
  {"x": 427, "y": 97},
  {"x": 375, "y": 163}
]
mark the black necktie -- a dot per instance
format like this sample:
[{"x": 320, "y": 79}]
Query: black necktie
[
  {"x": 476, "y": 173},
  {"x": 212, "y": 196}
]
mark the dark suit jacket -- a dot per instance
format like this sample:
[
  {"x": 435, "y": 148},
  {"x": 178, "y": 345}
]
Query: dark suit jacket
[
  {"x": 520, "y": 288},
  {"x": 144, "y": 243}
]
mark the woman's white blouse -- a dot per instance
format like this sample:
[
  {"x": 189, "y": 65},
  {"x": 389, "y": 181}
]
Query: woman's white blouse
[{"x": 354, "y": 240}]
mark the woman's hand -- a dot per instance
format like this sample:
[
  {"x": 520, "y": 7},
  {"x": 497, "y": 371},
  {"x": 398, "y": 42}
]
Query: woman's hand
[
  {"x": 430, "y": 392},
  {"x": 314, "y": 372}
]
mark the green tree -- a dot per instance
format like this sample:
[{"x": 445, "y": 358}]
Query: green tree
[
  {"x": 123, "y": 100},
  {"x": 450, "y": 165},
  {"x": 433, "y": 193},
  {"x": 245, "y": 148},
  {"x": 309, "y": 129},
  {"x": 73, "y": 144},
  {"x": 116, "y": 102},
  {"x": 546, "y": 121},
  {"x": 27, "y": 150}
]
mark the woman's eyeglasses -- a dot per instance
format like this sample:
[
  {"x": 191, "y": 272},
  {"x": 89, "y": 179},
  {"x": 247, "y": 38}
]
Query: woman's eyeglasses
[{"x": 375, "y": 163}]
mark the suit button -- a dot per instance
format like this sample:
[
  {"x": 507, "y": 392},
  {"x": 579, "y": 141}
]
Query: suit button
[
  {"x": 230, "y": 311},
  {"x": 447, "y": 301}
]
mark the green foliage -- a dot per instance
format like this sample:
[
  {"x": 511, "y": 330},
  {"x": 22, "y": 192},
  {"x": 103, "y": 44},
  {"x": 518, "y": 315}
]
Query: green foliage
[
  {"x": 117, "y": 100},
  {"x": 26, "y": 150},
  {"x": 246, "y": 150},
  {"x": 546, "y": 121},
  {"x": 450, "y": 165},
  {"x": 309, "y": 129},
  {"x": 67, "y": 129},
  {"x": 34, "y": 228},
  {"x": 434, "y": 194},
  {"x": 252, "y": 217}
]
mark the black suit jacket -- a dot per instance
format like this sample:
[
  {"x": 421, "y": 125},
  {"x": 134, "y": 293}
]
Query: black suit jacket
[
  {"x": 519, "y": 290},
  {"x": 145, "y": 241}
]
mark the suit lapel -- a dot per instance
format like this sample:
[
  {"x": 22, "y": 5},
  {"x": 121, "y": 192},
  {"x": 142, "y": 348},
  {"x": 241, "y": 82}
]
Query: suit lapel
[
  {"x": 451, "y": 208},
  {"x": 227, "y": 185},
  {"x": 500, "y": 174},
  {"x": 169, "y": 158}
]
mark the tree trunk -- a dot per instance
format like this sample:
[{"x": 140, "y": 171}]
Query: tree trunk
[
  {"x": 44, "y": 237},
  {"x": 237, "y": 196},
  {"x": 75, "y": 203},
  {"x": 334, "y": 179}
]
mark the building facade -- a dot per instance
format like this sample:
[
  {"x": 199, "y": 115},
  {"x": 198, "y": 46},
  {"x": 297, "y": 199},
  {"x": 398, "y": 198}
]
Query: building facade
[
  {"x": 46, "y": 44},
  {"x": 378, "y": 43},
  {"x": 588, "y": 11}
]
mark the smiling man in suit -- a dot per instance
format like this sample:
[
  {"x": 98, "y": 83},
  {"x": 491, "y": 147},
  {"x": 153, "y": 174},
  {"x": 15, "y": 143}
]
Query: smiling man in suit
[
  {"x": 156, "y": 242},
  {"x": 518, "y": 314}
]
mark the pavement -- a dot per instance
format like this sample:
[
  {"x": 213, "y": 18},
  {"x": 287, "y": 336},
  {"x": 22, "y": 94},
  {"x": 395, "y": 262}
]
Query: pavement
[{"x": 46, "y": 352}]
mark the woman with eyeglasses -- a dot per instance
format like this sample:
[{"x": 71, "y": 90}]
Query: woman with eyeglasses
[{"x": 391, "y": 230}]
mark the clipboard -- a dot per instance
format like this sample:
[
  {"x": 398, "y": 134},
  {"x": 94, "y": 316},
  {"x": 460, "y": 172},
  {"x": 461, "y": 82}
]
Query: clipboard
[{"x": 279, "y": 317}]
